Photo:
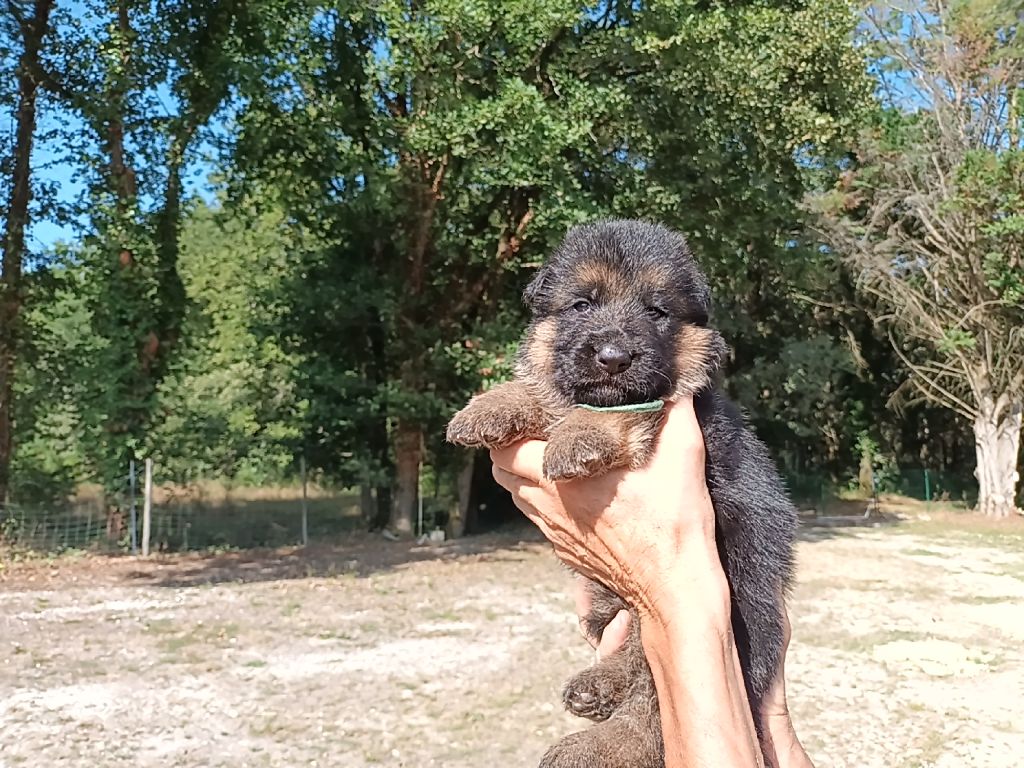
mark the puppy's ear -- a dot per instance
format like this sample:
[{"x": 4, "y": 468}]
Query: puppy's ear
[{"x": 535, "y": 292}]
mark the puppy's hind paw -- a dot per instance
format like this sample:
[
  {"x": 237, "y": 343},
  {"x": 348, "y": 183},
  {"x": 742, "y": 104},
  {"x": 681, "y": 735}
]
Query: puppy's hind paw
[
  {"x": 573, "y": 751},
  {"x": 593, "y": 694}
]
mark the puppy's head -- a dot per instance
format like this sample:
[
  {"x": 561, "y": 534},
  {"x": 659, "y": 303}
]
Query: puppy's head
[{"x": 620, "y": 315}]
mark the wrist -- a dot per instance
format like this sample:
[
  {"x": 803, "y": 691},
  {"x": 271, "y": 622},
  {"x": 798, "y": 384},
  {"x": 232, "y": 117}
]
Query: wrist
[{"x": 692, "y": 583}]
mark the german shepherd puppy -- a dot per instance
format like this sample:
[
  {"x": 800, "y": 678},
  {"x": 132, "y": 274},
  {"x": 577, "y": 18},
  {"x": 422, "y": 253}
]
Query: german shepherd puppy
[{"x": 620, "y": 318}]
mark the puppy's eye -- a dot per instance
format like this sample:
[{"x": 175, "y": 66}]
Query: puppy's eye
[
  {"x": 581, "y": 306},
  {"x": 656, "y": 313}
]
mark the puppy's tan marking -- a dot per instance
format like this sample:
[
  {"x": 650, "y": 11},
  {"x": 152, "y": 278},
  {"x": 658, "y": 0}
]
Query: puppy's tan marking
[
  {"x": 536, "y": 368},
  {"x": 658, "y": 277},
  {"x": 696, "y": 348},
  {"x": 605, "y": 278},
  {"x": 538, "y": 348}
]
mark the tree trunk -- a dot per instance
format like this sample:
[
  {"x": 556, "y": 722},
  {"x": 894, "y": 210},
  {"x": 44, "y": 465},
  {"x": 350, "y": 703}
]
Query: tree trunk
[
  {"x": 367, "y": 504},
  {"x": 383, "y": 502},
  {"x": 997, "y": 443},
  {"x": 172, "y": 289},
  {"x": 460, "y": 511},
  {"x": 32, "y": 31},
  {"x": 122, "y": 174},
  {"x": 408, "y": 452}
]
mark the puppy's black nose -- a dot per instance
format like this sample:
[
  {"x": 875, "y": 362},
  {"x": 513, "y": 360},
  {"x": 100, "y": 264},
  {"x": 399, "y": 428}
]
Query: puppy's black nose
[{"x": 613, "y": 359}]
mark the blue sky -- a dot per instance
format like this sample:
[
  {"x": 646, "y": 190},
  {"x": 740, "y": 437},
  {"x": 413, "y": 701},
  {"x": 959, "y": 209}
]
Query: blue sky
[
  {"x": 49, "y": 167},
  {"x": 56, "y": 164},
  {"x": 49, "y": 162},
  {"x": 52, "y": 166}
]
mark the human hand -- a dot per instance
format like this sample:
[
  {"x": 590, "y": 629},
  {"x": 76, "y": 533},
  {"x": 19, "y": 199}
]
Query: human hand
[
  {"x": 613, "y": 636},
  {"x": 649, "y": 536},
  {"x": 612, "y": 529}
]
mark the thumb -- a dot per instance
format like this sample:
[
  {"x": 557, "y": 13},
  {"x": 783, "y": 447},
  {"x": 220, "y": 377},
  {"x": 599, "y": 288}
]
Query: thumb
[
  {"x": 614, "y": 635},
  {"x": 680, "y": 438}
]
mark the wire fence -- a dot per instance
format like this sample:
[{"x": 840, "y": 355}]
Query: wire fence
[
  {"x": 821, "y": 492},
  {"x": 203, "y": 514},
  {"x": 189, "y": 515},
  {"x": 52, "y": 530}
]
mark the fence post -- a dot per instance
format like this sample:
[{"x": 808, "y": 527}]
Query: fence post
[
  {"x": 133, "y": 514},
  {"x": 305, "y": 513},
  {"x": 927, "y": 487},
  {"x": 419, "y": 494},
  {"x": 147, "y": 507}
]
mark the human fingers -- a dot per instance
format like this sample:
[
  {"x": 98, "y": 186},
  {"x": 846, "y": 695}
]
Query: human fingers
[
  {"x": 680, "y": 436},
  {"x": 614, "y": 635},
  {"x": 522, "y": 489},
  {"x": 552, "y": 520},
  {"x": 529, "y": 498},
  {"x": 525, "y": 459},
  {"x": 787, "y": 630},
  {"x": 774, "y": 704}
]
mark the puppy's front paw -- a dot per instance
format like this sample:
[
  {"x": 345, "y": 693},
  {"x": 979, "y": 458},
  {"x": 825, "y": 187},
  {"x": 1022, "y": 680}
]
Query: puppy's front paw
[
  {"x": 570, "y": 456},
  {"x": 493, "y": 420},
  {"x": 594, "y": 694},
  {"x": 478, "y": 426}
]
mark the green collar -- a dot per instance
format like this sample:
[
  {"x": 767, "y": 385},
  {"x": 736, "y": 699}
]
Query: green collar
[{"x": 652, "y": 407}]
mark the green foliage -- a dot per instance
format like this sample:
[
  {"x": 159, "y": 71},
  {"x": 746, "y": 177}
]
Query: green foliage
[
  {"x": 990, "y": 190},
  {"x": 53, "y": 390},
  {"x": 885, "y": 475},
  {"x": 805, "y": 388},
  {"x": 391, "y": 175},
  {"x": 476, "y": 133},
  {"x": 229, "y": 403}
]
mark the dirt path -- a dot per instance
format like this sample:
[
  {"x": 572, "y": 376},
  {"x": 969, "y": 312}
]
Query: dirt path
[{"x": 907, "y": 652}]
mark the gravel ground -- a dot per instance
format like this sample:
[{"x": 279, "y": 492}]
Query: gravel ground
[{"x": 907, "y": 651}]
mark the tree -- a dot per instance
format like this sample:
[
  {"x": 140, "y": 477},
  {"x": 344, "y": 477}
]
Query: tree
[
  {"x": 228, "y": 406},
  {"x": 137, "y": 83},
  {"x": 740, "y": 108},
  {"x": 415, "y": 142},
  {"x": 436, "y": 149},
  {"x": 55, "y": 388},
  {"x": 31, "y": 27},
  {"x": 931, "y": 218}
]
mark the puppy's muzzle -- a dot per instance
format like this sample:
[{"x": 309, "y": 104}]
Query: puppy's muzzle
[{"x": 613, "y": 358}]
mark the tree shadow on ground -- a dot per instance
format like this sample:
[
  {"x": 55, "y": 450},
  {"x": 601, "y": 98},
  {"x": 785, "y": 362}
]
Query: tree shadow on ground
[
  {"x": 362, "y": 555},
  {"x": 356, "y": 555}
]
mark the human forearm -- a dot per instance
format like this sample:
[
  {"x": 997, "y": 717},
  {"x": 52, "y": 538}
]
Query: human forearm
[{"x": 688, "y": 641}]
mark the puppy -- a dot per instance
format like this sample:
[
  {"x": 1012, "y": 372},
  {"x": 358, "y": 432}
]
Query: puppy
[{"x": 620, "y": 325}]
